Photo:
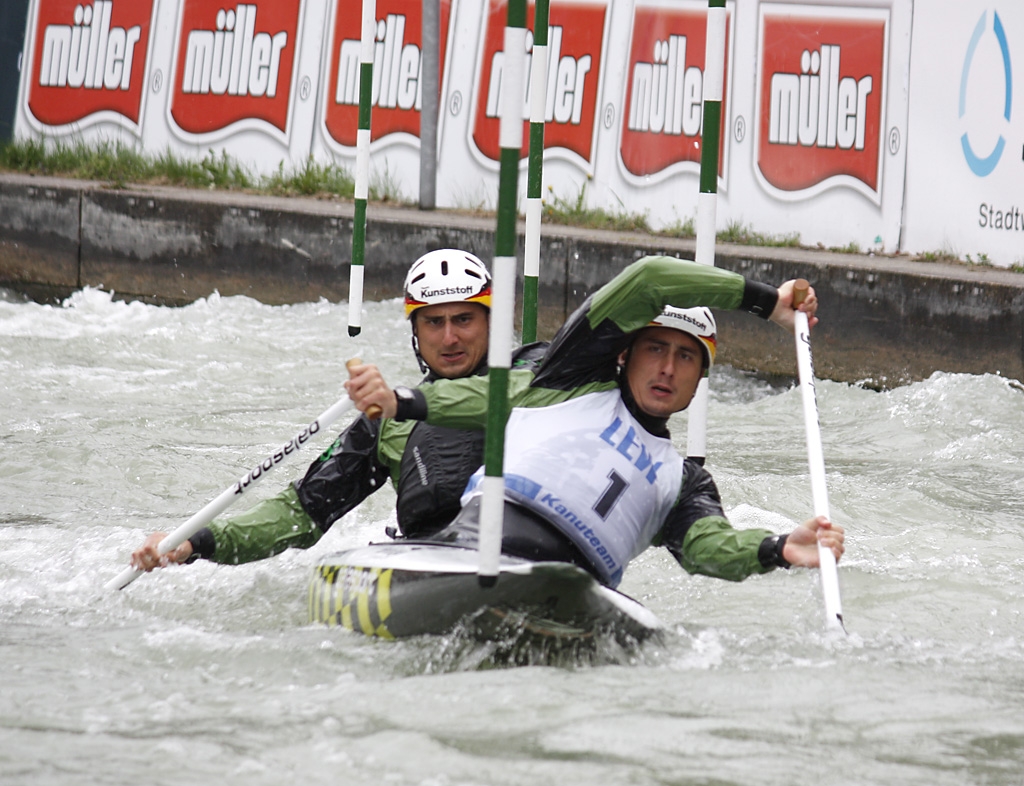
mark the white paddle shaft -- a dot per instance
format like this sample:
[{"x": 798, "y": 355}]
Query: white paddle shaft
[
  {"x": 232, "y": 493},
  {"x": 816, "y": 463}
]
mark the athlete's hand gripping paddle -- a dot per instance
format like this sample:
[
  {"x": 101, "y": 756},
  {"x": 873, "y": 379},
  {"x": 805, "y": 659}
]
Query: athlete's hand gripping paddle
[
  {"x": 815, "y": 458},
  {"x": 232, "y": 493}
]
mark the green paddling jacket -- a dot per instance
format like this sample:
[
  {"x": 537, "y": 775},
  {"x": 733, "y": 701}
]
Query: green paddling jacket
[
  {"x": 428, "y": 466},
  {"x": 582, "y": 359}
]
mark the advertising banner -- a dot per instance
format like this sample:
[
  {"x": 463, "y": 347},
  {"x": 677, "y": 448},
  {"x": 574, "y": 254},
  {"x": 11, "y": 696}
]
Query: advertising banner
[
  {"x": 233, "y": 68},
  {"x": 87, "y": 65},
  {"x": 397, "y": 95},
  {"x": 821, "y": 100},
  {"x": 238, "y": 78},
  {"x": 661, "y": 127},
  {"x": 622, "y": 105},
  {"x": 965, "y": 167},
  {"x": 824, "y": 69},
  {"x": 576, "y": 49},
  {"x": 815, "y": 132},
  {"x": 821, "y": 145},
  {"x": 190, "y": 76}
]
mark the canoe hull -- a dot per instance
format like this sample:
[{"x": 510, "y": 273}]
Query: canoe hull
[{"x": 412, "y": 589}]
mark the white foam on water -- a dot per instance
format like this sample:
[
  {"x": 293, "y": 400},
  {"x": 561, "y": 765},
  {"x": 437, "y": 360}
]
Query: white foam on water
[{"x": 122, "y": 418}]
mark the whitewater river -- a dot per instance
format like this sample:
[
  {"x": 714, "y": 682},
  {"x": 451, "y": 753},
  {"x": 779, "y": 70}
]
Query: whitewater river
[{"x": 118, "y": 419}]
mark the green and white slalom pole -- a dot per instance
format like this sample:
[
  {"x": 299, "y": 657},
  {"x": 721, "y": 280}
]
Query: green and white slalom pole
[
  {"x": 362, "y": 192},
  {"x": 499, "y": 351},
  {"x": 707, "y": 200},
  {"x": 534, "y": 194}
]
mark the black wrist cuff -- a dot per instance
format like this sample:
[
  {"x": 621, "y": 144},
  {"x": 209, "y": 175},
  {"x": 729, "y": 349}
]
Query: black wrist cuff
[
  {"x": 412, "y": 404},
  {"x": 759, "y": 299},
  {"x": 769, "y": 553},
  {"x": 203, "y": 545}
]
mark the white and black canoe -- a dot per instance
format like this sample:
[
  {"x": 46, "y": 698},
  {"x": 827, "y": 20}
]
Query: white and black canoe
[{"x": 395, "y": 590}]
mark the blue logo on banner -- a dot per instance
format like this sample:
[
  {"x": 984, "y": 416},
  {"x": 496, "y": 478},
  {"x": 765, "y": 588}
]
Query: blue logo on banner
[{"x": 982, "y": 166}]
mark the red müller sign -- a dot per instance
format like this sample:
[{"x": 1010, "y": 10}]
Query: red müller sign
[
  {"x": 821, "y": 83},
  {"x": 397, "y": 93},
  {"x": 235, "y": 66},
  {"x": 661, "y": 123},
  {"x": 576, "y": 40},
  {"x": 88, "y": 62}
]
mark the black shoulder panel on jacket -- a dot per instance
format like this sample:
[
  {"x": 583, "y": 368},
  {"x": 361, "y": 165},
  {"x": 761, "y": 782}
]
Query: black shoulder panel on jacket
[
  {"x": 529, "y": 356},
  {"x": 436, "y": 466},
  {"x": 344, "y": 475},
  {"x": 698, "y": 498},
  {"x": 579, "y": 355}
]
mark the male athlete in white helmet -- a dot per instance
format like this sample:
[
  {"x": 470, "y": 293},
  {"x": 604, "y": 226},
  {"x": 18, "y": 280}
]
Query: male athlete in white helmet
[
  {"x": 447, "y": 301},
  {"x": 591, "y": 475}
]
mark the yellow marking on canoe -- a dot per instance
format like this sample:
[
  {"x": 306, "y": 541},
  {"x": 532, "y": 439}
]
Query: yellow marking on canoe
[
  {"x": 384, "y": 603},
  {"x": 363, "y": 602}
]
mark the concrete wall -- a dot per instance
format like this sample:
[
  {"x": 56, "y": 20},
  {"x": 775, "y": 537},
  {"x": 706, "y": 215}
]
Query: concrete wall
[{"x": 885, "y": 321}]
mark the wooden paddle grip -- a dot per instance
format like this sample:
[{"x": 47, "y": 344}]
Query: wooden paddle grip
[
  {"x": 800, "y": 287},
  {"x": 373, "y": 412}
]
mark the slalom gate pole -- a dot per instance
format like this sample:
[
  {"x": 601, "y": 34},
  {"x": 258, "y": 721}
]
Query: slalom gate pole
[
  {"x": 428, "y": 112},
  {"x": 815, "y": 459},
  {"x": 362, "y": 190},
  {"x": 534, "y": 194},
  {"x": 499, "y": 351},
  {"x": 707, "y": 199}
]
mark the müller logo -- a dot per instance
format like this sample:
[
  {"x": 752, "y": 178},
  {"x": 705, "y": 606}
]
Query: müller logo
[
  {"x": 663, "y": 115},
  {"x": 396, "y": 68},
  {"x": 89, "y": 53},
  {"x": 89, "y": 62},
  {"x": 665, "y": 95},
  {"x": 821, "y": 83},
  {"x": 816, "y": 107},
  {"x": 234, "y": 59},
  {"x": 576, "y": 41},
  {"x": 234, "y": 66},
  {"x": 397, "y": 90},
  {"x": 563, "y": 99}
]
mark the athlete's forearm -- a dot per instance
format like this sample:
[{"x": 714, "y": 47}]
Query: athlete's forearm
[
  {"x": 638, "y": 294},
  {"x": 463, "y": 403},
  {"x": 713, "y": 547},
  {"x": 266, "y": 529}
]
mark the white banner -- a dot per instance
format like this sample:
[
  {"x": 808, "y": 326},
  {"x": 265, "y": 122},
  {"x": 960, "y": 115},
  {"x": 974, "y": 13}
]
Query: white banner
[
  {"x": 820, "y": 137},
  {"x": 965, "y": 165}
]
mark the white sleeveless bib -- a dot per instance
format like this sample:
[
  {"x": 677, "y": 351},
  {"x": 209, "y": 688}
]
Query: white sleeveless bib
[{"x": 587, "y": 466}]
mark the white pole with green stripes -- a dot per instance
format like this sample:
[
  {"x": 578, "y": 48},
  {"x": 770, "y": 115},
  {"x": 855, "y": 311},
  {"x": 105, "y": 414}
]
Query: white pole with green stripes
[
  {"x": 535, "y": 172},
  {"x": 362, "y": 190},
  {"x": 499, "y": 351},
  {"x": 707, "y": 199}
]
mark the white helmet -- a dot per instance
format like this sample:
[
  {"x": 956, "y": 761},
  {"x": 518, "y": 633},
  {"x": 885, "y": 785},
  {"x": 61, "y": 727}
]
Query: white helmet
[
  {"x": 446, "y": 276},
  {"x": 697, "y": 322}
]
